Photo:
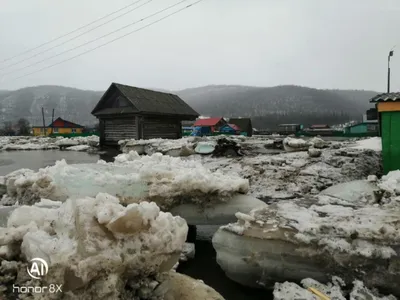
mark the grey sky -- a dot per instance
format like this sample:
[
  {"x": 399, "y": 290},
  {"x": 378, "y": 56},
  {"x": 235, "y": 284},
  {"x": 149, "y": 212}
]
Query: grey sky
[{"x": 316, "y": 43}]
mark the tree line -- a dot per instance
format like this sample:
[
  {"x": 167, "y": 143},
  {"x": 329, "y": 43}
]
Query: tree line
[{"x": 21, "y": 127}]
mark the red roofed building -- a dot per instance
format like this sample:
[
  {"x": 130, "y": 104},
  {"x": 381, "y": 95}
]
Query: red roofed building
[{"x": 213, "y": 123}]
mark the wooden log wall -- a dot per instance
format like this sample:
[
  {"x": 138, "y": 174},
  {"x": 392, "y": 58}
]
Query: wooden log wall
[
  {"x": 119, "y": 129},
  {"x": 166, "y": 128}
]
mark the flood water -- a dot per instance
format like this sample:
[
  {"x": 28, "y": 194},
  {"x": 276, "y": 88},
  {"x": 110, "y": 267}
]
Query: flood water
[
  {"x": 14, "y": 160},
  {"x": 203, "y": 266}
]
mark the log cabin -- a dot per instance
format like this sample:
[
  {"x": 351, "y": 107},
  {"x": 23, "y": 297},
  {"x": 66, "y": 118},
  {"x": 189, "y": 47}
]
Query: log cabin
[{"x": 127, "y": 112}]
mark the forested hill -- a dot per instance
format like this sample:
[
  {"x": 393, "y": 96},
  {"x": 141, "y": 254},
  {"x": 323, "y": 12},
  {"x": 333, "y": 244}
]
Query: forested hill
[
  {"x": 267, "y": 106},
  {"x": 281, "y": 104}
]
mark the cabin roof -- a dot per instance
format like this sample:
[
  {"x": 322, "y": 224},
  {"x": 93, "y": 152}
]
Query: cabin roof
[
  {"x": 145, "y": 101},
  {"x": 384, "y": 97},
  {"x": 208, "y": 121}
]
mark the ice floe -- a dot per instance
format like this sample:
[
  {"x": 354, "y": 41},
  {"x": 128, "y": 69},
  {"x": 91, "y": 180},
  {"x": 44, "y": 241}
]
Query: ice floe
[
  {"x": 345, "y": 231},
  {"x": 295, "y": 174},
  {"x": 163, "y": 179},
  {"x": 47, "y": 143}
]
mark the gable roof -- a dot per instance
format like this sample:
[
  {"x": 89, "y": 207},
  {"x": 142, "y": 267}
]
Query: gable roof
[
  {"x": 243, "y": 123},
  {"x": 208, "y": 122},
  {"x": 67, "y": 124},
  {"x": 146, "y": 101},
  {"x": 386, "y": 97}
]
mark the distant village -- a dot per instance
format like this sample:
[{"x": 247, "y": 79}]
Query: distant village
[{"x": 127, "y": 112}]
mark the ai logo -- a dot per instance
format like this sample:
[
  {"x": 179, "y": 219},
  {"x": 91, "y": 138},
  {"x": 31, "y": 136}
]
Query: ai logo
[{"x": 38, "y": 268}]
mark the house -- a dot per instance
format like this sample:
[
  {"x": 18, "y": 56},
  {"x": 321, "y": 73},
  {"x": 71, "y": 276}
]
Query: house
[
  {"x": 230, "y": 128},
  {"x": 289, "y": 128},
  {"x": 362, "y": 128},
  {"x": 58, "y": 126},
  {"x": 201, "y": 131},
  {"x": 388, "y": 114},
  {"x": 370, "y": 116},
  {"x": 213, "y": 123},
  {"x": 244, "y": 124},
  {"x": 127, "y": 112}
]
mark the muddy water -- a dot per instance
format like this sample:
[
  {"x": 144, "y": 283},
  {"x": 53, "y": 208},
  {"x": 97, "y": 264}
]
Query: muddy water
[{"x": 203, "y": 266}]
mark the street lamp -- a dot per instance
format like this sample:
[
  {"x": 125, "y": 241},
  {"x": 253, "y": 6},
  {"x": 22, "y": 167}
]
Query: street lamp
[{"x": 388, "y": 82}]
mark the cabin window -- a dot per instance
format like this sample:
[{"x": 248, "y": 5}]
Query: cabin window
[
  {"x": 73, "y": 130},
  {"x": 55, "y": 130}
]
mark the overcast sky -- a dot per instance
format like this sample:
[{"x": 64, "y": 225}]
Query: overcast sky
[{"x": 317, "y": 43}]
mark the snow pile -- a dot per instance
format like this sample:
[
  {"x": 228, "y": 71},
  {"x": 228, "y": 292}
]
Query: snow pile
[
  {"x": 164, "y": 179},
  {"x": 292, "y": 144},
  {"x": 78, "y": 148},
  {"x": 178, "y": 147},
  {"x": 67, "y": 142},
  {"x": 152, "y": 146},
  {"x": 314, "y": 152},
  {"x": 289, "y": 290},
  {"x": 92, "y": 141},
  {"x": 390, "y": 185},
  {"x": 374, "y": 143},
  {"x": 93, "y": 245}
]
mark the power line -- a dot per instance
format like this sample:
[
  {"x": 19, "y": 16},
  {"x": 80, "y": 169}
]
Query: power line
[
  {"x": 66, "y": 34},
  {"x": 116, "y": 39},
  {"x": 96, "y": 39},
  {"x": 73, "y": 38}
]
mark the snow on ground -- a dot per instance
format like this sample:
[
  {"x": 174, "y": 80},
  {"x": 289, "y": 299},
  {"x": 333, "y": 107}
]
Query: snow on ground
[
  {"x": 374, "y": 143},
  {"x": 337, "y": 290},
  {"x": 47, "y": 143},
  {"x": 164, "y": 179},
  {"x": 92, "y": 245},
  {"x": 295, "y": 174}
]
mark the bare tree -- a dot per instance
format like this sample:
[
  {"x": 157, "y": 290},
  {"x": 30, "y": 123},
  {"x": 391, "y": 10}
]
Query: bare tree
[
  {"x": 23, "y": 127},
  {"x": 8, "y": 128}
]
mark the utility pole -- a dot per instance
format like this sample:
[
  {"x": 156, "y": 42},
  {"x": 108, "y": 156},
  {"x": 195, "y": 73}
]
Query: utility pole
[
  {"x": 44, "y": 124},
  {"x": 388, "y": 79},
  {"x": 52, "y": 121}
]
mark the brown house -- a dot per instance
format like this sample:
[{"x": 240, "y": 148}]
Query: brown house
[
  {"x": 127, "y": 112},
  {"x": 244, "y": 124}
]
